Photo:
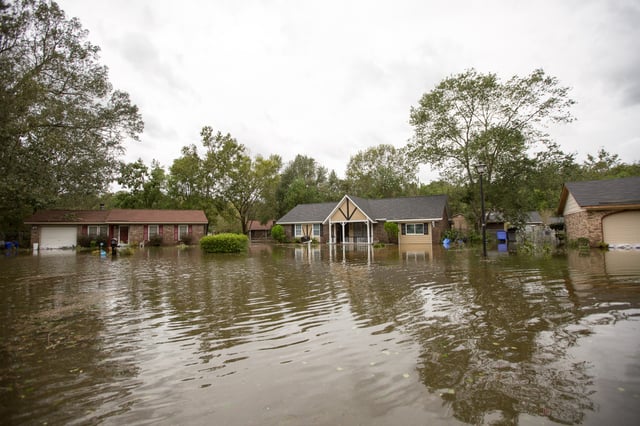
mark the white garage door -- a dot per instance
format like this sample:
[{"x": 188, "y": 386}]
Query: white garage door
[
  {"x": 54, "y": 237},
  {"x": 622, "y": 228}
]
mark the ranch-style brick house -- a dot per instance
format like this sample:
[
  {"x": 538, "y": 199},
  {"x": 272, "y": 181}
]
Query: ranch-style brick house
[
  {"x": 355, "y": 220},
  {"x": 53, "y": 229},
  {"x": 603, "y": 211}
]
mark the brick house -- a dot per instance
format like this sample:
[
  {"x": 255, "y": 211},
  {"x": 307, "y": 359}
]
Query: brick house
[
  {"x": 603, "y": 211},
  {"x": 62, "y": 228},
  {"x": 358, "y": 220}
]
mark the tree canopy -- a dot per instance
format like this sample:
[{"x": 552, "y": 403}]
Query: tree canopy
[
  {"x": 62, "y": 125},
  {"x": 473, "y": 118},
  {"x": 382, "y": 172}
]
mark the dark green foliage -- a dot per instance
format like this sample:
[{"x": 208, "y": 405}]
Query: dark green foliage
[
  {"x": 187, "y": 240},
  {"x": 63, "y": 125},
  {"x": 224, "y": 243},
  {"x": 155, "y": 241},
  {"x": 278, "y": 234},
  {"x": 392, "y": 229},
  {"x": 84, "y": 241},
  {"x": 382, "y": 172}
]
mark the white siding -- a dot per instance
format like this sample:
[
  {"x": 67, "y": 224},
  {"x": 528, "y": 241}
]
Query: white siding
[
  {"x": 571, "y": 206},
  {"x": 621, "y": 228}
]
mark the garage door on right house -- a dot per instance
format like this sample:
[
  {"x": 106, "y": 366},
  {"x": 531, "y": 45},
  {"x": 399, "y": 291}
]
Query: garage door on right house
[{"x": 622, "y": 228}]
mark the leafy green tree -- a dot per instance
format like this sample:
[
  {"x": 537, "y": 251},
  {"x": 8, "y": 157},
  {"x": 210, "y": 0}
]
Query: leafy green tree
[
  {"x": 186, "y": 184},
  {"x": 473, "y": 118},
  {"x": 144, "y": 188},
  {"x": 236, "y": 181},
  {"x": 382, "y": 172},
  {"x": 62, "y": 124},
  {"x": 302, "y": 181}
]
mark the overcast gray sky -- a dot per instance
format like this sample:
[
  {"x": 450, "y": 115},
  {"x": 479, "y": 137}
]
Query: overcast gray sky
[{"x": 329, "y": 78}]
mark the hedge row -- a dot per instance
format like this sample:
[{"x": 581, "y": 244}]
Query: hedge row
[{"x": 224, "y": 243}]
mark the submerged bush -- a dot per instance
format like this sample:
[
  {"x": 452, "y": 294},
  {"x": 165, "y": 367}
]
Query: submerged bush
[
  {"x": 278, "y": 234},
  {"x": 224, "y": 243}
]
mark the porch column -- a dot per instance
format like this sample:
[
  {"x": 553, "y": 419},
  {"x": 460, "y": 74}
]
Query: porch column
[
  {"x": 342, "y": 223},
  {"x": 368, "y": 234}
]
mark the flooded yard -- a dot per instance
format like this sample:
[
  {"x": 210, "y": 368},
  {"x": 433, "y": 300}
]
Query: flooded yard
[{"x": 323, "y": 335}]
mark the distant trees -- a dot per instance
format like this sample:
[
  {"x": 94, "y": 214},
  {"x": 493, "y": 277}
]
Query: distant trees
[
  {"x": 62, "y": 124},
  {"x": 382, "y": 172}
]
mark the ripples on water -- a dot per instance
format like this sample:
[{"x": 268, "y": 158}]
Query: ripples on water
[{"x": 297, "y": 336}]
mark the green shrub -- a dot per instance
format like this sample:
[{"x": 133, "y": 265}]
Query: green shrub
[
  {"x": 84, "y": 241},
  {"x": 155, "y": 241},
  {"x": 392, "y": 229},
  {"x": 224, "y": 243},
  {"x": 278, "y": 234},
  {"x": 187, "y": 239}
]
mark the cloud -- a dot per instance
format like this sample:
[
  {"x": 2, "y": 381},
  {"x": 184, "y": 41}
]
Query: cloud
[{"x": 328, "y": 79}]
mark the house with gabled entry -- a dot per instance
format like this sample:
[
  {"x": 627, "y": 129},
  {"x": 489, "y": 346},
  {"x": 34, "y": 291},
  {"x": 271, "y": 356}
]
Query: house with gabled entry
[
  {"x": 355, "y": 220},
  {"x": 603, "y": 211},
  {"x": 53, "y": 229}
]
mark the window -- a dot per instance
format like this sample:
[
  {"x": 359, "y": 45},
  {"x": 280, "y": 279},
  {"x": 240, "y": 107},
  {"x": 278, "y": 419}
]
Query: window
[
  {"x": 416, "y": 229},
  {"x": 97, "y": 230},
  {"x": 183, "y": 231},
  {"x": 316, "y": 229},
  {"x": 298, "y": 230},
  {"x": 153, "y": 230}
]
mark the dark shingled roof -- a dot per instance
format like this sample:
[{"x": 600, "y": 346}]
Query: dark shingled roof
[
  {"x": 308, "y": 213},
  {"x": 606, "y": 192},
  {"x": 389, "y": 209}
]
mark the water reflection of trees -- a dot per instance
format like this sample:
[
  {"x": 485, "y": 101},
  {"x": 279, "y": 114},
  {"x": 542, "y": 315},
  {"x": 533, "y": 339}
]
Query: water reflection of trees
[{"x": 493, "y": 337}]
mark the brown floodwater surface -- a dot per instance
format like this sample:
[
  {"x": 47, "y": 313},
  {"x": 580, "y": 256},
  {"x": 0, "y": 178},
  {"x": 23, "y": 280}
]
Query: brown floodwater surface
[{"x": 320, "y": 335}]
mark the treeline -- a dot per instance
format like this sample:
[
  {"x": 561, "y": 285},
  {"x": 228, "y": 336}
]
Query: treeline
[
  {"x": 63, "y": 128},
  {"x": 234, "y": 190}
]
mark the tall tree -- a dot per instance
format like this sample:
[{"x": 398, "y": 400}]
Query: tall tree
[
  {"x": 238, "y": 182},
  {"x": 62, "y": 126},
  {"x": 144, "y": 188},
  {"x": 186, "y": 181},
  {"x": 473, "y": 118},
  {"x": 382, "y": 172},
  {"x": 302, "y": 181}
]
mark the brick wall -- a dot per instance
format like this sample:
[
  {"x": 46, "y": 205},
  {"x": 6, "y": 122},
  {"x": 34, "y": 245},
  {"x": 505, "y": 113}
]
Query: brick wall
[{"x": 585, "y": 224}]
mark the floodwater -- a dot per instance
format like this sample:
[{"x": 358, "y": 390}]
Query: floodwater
[{"x": 301, "y": 335}]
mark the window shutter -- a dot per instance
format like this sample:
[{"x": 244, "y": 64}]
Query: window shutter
[
  {"x": 145, "y": 233},
  {"x": 175, "y": 232},
  {"x": 190, "y": 229},
  {"x": 403, "y": 228},
  {"x": 426, "y": 229}
]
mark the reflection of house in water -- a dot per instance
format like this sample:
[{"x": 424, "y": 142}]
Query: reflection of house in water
[
  {"x": 416, "y": 252},
  {"x": 622, "y": 262},
  {"x": 604, "y": 279},
  {"x": 308, "y": 252}
]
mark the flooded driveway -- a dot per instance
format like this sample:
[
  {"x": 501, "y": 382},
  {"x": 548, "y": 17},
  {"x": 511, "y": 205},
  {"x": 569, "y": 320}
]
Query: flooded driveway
[{"x": 320, "y": 336}]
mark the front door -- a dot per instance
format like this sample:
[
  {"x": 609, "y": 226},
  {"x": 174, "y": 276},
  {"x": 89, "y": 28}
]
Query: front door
[{"x": 124, "y": 234}]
